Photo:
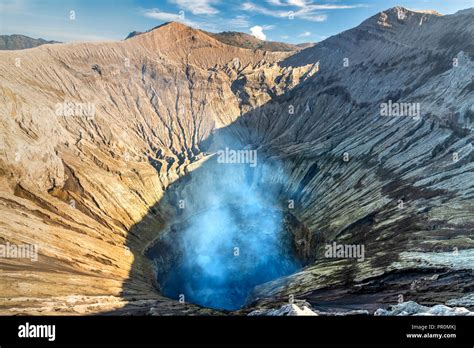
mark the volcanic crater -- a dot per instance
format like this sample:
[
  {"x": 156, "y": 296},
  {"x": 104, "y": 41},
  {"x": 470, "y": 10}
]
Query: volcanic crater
[{"x": 133, "y": 213}]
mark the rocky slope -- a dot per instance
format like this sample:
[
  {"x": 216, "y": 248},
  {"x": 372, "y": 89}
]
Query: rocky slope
[
  {"x": 405, "y": 190},
  {"x": 95, "y": 187},
  {"x": 75, "y": 180},
  {"x": 20, "y": 42}
]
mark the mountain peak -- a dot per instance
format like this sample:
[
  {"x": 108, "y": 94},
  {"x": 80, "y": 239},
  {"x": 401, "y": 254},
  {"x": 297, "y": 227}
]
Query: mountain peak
[
  {"x": 399, "y": 15},
  {"x": 179, "y": 42},
  {"x": 170, "y": 25},
  {"x": 400, "y": 10},
  {"x": 173, "y": 25}
]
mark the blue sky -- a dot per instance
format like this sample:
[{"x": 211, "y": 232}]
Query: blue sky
[{"x": 268, "y": 19}]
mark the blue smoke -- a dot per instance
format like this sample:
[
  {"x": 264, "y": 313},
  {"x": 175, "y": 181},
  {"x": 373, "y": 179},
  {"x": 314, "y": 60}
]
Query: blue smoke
[{"x": 236, "y": 241}]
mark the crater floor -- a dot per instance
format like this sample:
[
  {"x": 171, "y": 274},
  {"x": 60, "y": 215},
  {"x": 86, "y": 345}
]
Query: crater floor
[{"x": 223, "y": 253}]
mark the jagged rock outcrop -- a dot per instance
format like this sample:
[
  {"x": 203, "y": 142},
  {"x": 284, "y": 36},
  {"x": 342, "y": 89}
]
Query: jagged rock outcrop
[
  {"x": 290, "y": 309},
  {"x": 303, "y": 308},
  {"x": 97, "y": 140},
  {"x": 413, "y": 308}
]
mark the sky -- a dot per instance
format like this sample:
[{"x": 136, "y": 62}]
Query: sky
[{"x": 293, "y": 21}]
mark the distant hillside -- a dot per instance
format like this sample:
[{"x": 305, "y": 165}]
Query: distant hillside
[
  {"x": 20, "y": 42},
  {"x": 248, "y": 41}
]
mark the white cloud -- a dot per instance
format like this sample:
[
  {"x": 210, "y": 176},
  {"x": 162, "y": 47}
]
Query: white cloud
[
  {"x": 257, "y": 31},
  {"x": 302, "y": 9},
  {"x": 168, "y": 17},
  {"x": 299, "y": 3},
  {"x": 303, "y": 13},
  {"x": 311, "y": 17},
  {"x": 268, "y": 27},
  {"x": 197, "y": 7},
  {"x": 251, "y": 7},
  {"x": 305, "y": 34},
  {"x": 218, "y": 24},
  {"x": 332, "y": 7},
  {"x": 309, "y": 5},
  {"x": 276, "y": 2},
  {"x": 239, "y": 22}
]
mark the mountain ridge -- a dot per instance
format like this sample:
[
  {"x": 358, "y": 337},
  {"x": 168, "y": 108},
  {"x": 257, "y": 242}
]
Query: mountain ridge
[
  {"x": 19, "y": 42},
  {"x": 238, "y": 39}
]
